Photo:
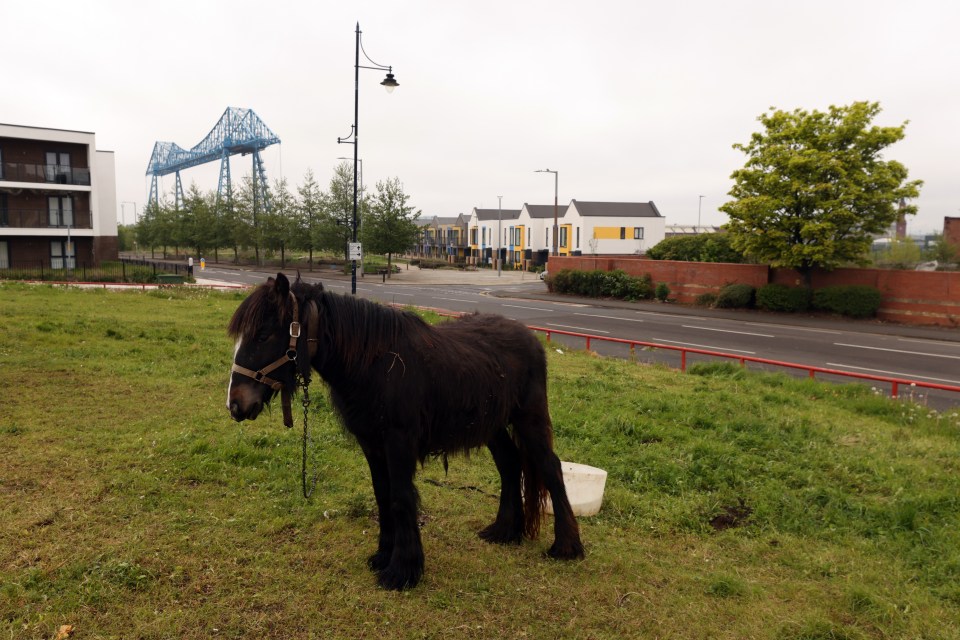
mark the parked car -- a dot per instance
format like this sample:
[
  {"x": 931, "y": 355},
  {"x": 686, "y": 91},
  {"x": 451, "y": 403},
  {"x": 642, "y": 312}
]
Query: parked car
[{"x": 543, "y": 274}]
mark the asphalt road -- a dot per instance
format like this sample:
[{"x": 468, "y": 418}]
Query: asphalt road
[{"x": 929, "y": 355}]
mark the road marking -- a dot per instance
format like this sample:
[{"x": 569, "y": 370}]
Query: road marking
[
  {"x": 942, "y": 343},
  {"x": 792, "y": 327},
  {"x": 593, "y": 315},
  {"x": 662, "y": 315},
  {"x": 703, "y": 346},
  {"x": 912, "y": 353},
  {"x": 517, "y": 306},
  {"x": 743, "y": 333},
  {"x": 458, "y": 300},
  {"x": 409, "y": 295},
  {"x": 566, "y": 326},
  {"x": 892, "y": 373}
]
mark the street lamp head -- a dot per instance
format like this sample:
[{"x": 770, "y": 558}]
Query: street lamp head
[{"x": 390, "y": 83}]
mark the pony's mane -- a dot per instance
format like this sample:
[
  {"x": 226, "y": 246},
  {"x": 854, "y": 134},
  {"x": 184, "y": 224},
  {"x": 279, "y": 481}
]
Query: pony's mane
[
  {"x": 253, "y": 311},
  {"x": 361, "y": 330}
]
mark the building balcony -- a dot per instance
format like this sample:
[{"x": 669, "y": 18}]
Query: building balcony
[
  {"x": 45, "y": 219},
  {"x": 43, "y": 173}
]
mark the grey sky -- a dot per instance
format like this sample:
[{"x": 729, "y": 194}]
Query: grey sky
[{"x": 629, "y": 101}]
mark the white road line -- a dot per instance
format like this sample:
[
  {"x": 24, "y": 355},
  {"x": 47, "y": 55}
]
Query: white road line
[
  {"x": 594, "y": 315},
  {"x": 566, "y": 326},
  {"x": 743, "y": 333},
  {"x": 792, "y": 327},
  {"x": 892, "y": 373},
  {"x": 912, "y": 353},
  {"x": 458, "y": 300},
  {"x": 703, "y": 346},
  {"x": 408, "y": 295},
  {"x": 942, "y": 343},
  {"x": 517, "y": 306},
  {"x": 662, "y": 315}
]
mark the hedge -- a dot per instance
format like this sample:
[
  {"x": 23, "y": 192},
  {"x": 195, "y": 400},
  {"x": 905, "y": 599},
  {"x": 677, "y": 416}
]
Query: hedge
[
  {"x": 779, "y": 297},
  {"x": 855, "y": 301},
  {"x": 601, "y": 284},
  {"x": 735, "y": 296}
]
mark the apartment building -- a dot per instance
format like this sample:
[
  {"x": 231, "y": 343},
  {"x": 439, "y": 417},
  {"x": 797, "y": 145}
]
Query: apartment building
[{"x": 58, "y": 198}]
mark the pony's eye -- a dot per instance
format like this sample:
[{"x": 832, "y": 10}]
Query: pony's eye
[{"x": 263, "y": 336}]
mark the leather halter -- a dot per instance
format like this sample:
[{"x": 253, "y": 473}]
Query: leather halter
[{"x": 290, "y": 356}]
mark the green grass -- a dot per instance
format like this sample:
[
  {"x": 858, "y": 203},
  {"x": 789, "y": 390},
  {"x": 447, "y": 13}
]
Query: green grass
[{"x": 738, "y": 505}]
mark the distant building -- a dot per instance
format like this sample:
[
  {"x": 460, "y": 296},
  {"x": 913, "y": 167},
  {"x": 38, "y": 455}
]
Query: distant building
[
  {"x": 951, "y": 231},
  {"x": 58, "y": 198},
  {"x": 613, "y": 228}
]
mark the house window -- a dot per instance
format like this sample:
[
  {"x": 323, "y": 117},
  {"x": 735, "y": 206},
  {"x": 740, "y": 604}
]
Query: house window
[
  {"x": 638, "y": 233},
  {"x": 623, "y": 233},
  {"x": 4, "y": 255},
  {"x": 563, "y": 236},
  {"x": 61, "y": 211},
  {"x": 473, "y": 236},
  {"x": 4, "y": 215},
  {"x": 58, "y": 167},
  {"x": 62, "y": 254},
  {"x": 578, "y": 237},
  {"x": 518, "y": 236},
  {"x": 529, "y": 235}
]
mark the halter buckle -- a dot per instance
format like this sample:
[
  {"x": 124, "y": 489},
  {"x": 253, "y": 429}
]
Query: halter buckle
[{"x": 294, "y": 329}]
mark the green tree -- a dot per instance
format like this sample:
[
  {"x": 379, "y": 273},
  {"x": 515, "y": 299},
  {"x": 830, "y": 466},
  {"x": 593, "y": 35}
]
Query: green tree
[
  {"x": 815, "y": 189},
  {"x": 278, "y": 220},
  {"x": 335, "y": 226},
  {"x": 942, "y": 250},
  {"x": 391, "y": 224},
  {"x": 308, "y": 214}
]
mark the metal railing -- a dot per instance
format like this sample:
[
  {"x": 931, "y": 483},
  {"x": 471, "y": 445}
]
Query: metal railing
[
  {"x": 49, "y": 173},
  {"x": 895, "y": 383},
  {"x": 45, "y": 219}
]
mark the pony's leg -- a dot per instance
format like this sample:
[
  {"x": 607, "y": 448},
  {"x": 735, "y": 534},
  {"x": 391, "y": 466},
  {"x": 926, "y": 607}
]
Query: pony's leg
[
  {"x": 534, "y": 429},
  {"x": 380, "y": 475},
  {"x": 405, "y": 567},
  {"x": 508, "y": 527}
]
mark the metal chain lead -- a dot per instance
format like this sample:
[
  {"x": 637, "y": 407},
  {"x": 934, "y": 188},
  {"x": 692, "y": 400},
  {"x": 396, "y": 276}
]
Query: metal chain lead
[{"x": 307, "y": 491}]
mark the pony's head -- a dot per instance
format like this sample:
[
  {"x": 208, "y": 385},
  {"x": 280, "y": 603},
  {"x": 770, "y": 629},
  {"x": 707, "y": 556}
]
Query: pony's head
[{"x": 266, "y": 328}]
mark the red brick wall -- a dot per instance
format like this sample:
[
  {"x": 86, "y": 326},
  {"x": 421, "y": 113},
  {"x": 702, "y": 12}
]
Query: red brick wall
[{"x": 909, "y": 297}]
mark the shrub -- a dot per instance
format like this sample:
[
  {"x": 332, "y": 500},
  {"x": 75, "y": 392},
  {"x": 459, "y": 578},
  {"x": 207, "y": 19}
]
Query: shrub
[
  {"x": 779, "y": 297},
  {"x": 706, "y": 247},
  {"x": 596, "y": 284},
  {"x": 662, "y": 292},
  {"x": 706, "y": 300},
  {"x": 855, "y": 301},
  {"x": 735, "y": 296}
]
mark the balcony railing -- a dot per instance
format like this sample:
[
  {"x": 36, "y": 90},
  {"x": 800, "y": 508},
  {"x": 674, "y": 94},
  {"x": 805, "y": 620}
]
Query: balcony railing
[
  {"x": 48, "y": 173},
  {"x": 45, "y": 219}
]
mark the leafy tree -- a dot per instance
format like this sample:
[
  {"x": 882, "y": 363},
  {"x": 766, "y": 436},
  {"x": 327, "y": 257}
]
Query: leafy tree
[
  {"x": 942, "y": 250},
  {"x": 308, "y": 214},
  {"x": 391, "y": 225},
  {"x": 815, "y": 188},
  {"x": 335, "y": 227},
  {"x": 278, "y": 220},
  {"x": 704, "y": 247}
]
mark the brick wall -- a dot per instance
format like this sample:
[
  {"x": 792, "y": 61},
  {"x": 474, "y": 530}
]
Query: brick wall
[
  {"x": 951, "y": 231},
  {"x": 909, "y": 297}
]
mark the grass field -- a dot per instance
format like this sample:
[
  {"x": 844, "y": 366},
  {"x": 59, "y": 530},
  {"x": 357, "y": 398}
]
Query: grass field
[{"x": 738, "y": 505}]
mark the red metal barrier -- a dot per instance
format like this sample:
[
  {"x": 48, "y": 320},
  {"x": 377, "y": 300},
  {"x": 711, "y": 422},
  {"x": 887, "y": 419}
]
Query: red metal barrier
[{"x": 813, "y": 370}]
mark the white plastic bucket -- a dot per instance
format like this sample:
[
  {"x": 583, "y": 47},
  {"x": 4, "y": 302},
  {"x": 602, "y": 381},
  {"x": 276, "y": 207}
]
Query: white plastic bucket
[{"x": 584, "y": 485}]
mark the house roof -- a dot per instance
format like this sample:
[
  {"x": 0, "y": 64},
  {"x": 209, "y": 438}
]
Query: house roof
[
  {"x": 544, "y": 210},
  {"x": 493, "y": 214},
  {"x": 617, "y": 209}
]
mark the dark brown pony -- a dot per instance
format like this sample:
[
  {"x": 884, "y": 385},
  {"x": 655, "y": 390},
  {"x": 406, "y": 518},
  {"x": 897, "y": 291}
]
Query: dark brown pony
[{"x": 407, "y": 390}]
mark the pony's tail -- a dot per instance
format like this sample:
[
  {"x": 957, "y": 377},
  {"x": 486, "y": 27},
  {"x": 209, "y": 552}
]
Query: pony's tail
[{"x": 534, "y": 494}]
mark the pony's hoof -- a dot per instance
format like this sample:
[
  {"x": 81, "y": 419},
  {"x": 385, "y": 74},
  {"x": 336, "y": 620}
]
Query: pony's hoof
[
  {"x": 500, "y": 535},
  {"x": 394, "y": 579},
  {"x": 569, "y": 551}
]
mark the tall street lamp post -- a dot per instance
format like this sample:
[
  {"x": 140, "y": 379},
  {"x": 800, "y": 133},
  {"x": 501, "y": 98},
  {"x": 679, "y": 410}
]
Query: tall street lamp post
[
  {"x": 389, "y": 83},
  {"x": 556, "y": 178}
]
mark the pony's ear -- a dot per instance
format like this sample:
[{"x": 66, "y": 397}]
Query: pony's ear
[{"x": 282, "y": 286}]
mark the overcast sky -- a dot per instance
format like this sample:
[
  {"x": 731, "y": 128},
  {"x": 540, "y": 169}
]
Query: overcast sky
[{"x": 628, "y": 100}]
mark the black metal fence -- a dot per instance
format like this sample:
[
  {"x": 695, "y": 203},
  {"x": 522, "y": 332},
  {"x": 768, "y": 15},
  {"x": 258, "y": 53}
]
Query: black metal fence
[{"x": 125, "y": 270}]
